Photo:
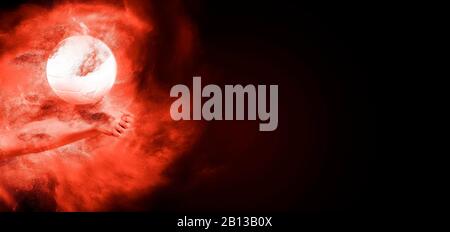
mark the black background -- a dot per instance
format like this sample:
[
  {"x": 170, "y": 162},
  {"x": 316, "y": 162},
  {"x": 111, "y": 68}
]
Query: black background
[{"x": 325, "y": 57}]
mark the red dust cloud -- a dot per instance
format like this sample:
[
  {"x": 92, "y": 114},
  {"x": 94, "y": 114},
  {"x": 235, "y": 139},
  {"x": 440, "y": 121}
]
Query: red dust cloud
[{"x": 94, "y": 174}]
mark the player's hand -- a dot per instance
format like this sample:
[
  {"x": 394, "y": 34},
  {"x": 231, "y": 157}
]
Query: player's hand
[{"x": 116, "y": 126}]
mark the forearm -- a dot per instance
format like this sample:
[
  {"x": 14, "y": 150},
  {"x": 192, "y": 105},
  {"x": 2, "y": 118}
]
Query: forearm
[
  {"x": 56, "y": 135},
  {"x": 44, "y": 135}
]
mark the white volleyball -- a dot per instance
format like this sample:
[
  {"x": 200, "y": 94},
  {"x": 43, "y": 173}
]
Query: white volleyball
[{"x": 81, "y": 70}]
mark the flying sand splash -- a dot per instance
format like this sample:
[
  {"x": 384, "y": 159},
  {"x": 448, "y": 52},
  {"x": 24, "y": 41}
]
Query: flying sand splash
[{"x": 94, "y": 174}]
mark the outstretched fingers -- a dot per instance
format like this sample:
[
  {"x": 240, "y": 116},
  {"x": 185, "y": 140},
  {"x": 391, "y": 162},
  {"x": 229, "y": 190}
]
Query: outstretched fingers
[{"x": 124, "y": 124}]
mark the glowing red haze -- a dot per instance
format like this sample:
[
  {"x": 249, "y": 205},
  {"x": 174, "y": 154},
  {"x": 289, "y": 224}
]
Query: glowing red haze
[{"x": 94, "y": 174}]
